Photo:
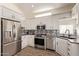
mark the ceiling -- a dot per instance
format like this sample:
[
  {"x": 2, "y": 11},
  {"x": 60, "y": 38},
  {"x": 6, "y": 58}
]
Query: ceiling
[{"x": 29, "y": 8}]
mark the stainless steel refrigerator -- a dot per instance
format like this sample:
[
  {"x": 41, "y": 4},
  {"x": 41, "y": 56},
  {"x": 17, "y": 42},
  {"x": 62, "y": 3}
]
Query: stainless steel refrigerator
[{"x": 10, "y": 37}]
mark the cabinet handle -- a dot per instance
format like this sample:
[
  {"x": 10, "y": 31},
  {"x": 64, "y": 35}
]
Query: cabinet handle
[
  {"x": 68, "y": 54},
  {"x": 68, "y": 49},
  {"x": 68, "y": 44},
  {"x": 13, "y": 16},
  {"x": 57, "y": 43}
]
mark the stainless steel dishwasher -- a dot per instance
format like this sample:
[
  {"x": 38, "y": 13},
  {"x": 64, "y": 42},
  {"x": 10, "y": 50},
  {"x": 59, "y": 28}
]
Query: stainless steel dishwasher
[{"x": 50, "y": 40}]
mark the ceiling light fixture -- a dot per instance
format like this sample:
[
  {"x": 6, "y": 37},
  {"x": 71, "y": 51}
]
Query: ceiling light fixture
[
  {"x": 42, "y": 10},
  {"x": 32, "y": 5},
  {"x": 44, "y": 14}
]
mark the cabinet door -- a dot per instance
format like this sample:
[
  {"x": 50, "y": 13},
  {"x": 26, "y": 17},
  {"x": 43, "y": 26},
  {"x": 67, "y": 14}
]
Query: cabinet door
[
  {"x": 61, "y": 46},
  {"x": 25, "y": 41},
  {"x": 54, "y": 43},
  {"x": 57, "y": 45},
  {"x": 75, "y": 12},
  {"x": 7, "y": 13},
  {"x": 64, "y": 47},
  {"x": 31, "y": 40},
  {"x": 74, "y": 50},
  {"x": 0, "y": 11}
]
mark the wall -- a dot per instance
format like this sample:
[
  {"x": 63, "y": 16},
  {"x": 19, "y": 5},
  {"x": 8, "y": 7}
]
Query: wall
[
  {"x": 32, "y": 23},
  {"x": 52, "y": 22}
]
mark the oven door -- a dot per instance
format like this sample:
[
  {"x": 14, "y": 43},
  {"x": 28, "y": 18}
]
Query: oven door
[{"x": 39, "y": 41}]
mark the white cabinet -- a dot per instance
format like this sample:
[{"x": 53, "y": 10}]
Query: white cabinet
[
  {"x": 24, "y": 42},
  {"x": 7, "y": 13},
  {"x": 75, "y": 13},
  {"x": 58, "y": 47},
  {"x": 54, "y": 44},
  {"x": 0, "y": 11},
  {"x": 73, "y": 49},
  {"x": 61, "y": 46},
  {"x": 31, "y": 40},
  {"x": 75, "y": 10},
  {"x": 64, "y": 47},
  {"x": 27, "y": 40},
  {"x": 67, "y": 48}
]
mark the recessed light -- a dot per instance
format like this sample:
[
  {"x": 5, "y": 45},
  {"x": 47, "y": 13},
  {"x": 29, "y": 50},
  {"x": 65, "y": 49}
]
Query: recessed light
[
  {"x": 43, "y": 14},
  {"x": 32, "y": 5}
]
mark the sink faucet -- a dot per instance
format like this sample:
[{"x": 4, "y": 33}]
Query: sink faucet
[{"x": 68, "y": 32}]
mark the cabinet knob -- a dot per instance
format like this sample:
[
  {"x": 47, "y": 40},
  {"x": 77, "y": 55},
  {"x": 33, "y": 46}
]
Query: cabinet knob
[{"x": 13, "y": 16}]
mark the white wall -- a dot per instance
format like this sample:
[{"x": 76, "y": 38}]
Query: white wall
[
  {"x": 32, "y": 23},
  {"x": 52, "y": 22}
]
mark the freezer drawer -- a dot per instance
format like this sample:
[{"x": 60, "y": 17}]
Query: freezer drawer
[{"x": 10, "y": 49}]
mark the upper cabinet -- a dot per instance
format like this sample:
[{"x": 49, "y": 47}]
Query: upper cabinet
[
  {"x": 75, "y": 10},
  {"x": 6, "y": 13},
  {"x": 0, "y": 11},
  {"x": 75, "y": 13},
  {"x": 10, "y": 14}
]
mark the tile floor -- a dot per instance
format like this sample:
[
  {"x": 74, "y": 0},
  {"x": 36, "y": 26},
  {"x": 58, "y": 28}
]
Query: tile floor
[{"x": 30, "y": 51}]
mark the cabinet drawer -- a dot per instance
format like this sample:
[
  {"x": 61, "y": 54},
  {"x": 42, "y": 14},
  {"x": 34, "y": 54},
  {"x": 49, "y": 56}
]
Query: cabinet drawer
[{"x": 24, "y": 45}]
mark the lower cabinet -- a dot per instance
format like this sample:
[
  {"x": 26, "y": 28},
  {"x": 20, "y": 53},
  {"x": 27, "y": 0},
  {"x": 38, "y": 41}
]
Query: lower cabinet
[
  {"x": 24, "y": 42},
  {"x": 61, "y": 46},
  {"x": 27, "y": 40},
  {"x": 73, "y": 49},
  {"x": 31, "y": 40},
  {"x": 67, "y": 48}
]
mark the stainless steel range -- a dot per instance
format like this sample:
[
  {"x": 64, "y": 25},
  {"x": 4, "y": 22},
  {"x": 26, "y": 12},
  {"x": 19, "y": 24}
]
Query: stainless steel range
[{"x": 40, "y": 37}]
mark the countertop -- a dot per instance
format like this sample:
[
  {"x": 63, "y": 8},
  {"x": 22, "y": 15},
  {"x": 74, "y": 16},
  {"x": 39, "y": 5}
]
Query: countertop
[
  {"x": 71, "y": 40},
  {"x": 76, "y": 41}
]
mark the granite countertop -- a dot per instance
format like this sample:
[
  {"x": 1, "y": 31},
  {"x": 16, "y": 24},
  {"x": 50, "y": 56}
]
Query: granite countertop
[
  {"x": 72, "y": 40},
  {"x": 76, "y": 41}
]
